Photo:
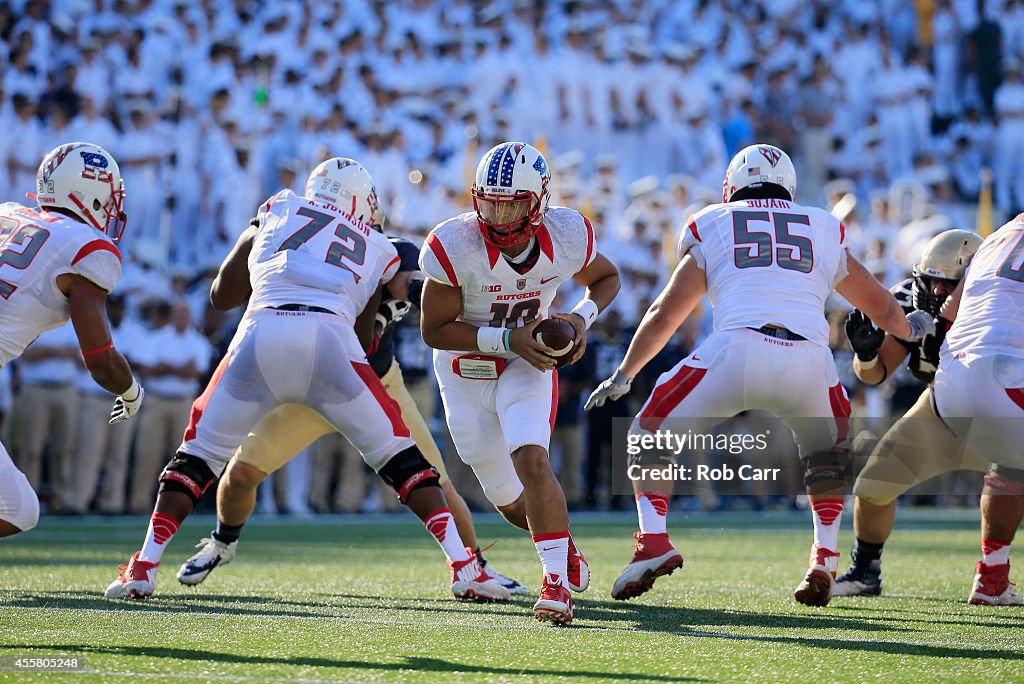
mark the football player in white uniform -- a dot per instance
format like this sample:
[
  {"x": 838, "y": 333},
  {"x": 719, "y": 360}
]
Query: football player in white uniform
[
  {"x": 59, "y": 262},
  {"x": 979, "y": 388},
  {"x": 491, "y": 276},
  {"x": 290, "y": 428},
  {"x": 919, "y": 446},
  {"x": 311, "y": 268},
  {"x": 768, "y": 264}
]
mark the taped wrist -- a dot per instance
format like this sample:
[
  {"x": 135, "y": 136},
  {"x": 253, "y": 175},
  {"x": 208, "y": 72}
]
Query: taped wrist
[
  {"x": 587, "y": 310},
  {"x": 407, "y": 471},
  {"x": 491, "y": 340}
]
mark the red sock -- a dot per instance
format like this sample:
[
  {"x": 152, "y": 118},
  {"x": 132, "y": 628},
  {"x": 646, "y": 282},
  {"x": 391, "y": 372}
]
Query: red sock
[
  {"x": 995, "y": 552},
  {"x": 162, "y": 528}
]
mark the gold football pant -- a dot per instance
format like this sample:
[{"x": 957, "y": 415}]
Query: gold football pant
[
  {"x": 290, "y": 428},
  {"x": 916, "y": 448}
]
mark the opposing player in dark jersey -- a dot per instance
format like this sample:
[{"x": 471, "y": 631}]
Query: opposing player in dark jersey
[{"x": 918, "y": 446}]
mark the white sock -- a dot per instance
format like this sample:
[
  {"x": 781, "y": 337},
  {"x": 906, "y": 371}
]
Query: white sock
[
  {"x": 652, "y": 510},
  {"x": 827, "y": 513},
  {"x": 441, "y": 524},
  {"x": 162, "y": 529},
  {"x": 995, "y": 552},
  {"x": 553, "y": 550}
]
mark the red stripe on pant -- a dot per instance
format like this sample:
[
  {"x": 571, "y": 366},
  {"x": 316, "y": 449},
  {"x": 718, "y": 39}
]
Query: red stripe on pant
[
  {"x": 668, "y": 395},
  {"x": 199, "y": 405},
  {"x": 840, "y": 411},
  {"x": 1016, "y": 395},
  {"x": 554, "y": 399},
  {"x": 390, "y": 406}
]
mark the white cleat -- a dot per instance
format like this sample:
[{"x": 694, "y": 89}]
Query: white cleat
[
  {"x": 137, "y": 580},
  {"x": 514, "y": 587},
  {"x": 472, "y": 583},
  {"x": 212, "y": 553}
]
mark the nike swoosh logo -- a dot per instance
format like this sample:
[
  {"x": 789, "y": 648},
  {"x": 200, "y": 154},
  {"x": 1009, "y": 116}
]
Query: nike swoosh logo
[
  {"x": 547, "y": 280},
  {"x": 550, "y": 548},
  {"x": 696, "y": 358}
]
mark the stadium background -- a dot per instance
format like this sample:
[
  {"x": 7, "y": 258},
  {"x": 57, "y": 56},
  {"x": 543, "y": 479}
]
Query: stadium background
[{"x": 891, "y": 110}]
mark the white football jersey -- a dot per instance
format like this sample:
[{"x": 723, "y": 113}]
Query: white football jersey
[
  {"x": 990, "y": 320},
  {"x": 35, "y": 248},
  {"x": 493, "y": 293},
  {"x": 311, "y": 253},
  {"x": 767, "y": 262}
]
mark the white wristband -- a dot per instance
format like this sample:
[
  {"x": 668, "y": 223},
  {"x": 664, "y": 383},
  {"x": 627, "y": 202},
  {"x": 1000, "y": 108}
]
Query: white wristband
[
  {"x": 587, "y": 309},
  {"x": 132, "y": 391},
  {"x": 490, "y": 340}
]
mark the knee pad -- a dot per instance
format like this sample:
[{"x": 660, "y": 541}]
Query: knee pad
[
  {"x": 1006, "y": 480},
  {"x": 189, "y": 475},
  {"x": 408, "y": 470},
  {"x": 19, "y": 504},
  {"x": 827, "y": 466}
]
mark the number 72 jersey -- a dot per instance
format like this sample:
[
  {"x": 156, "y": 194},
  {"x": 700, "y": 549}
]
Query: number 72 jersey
[
  {"x": 307, "y": 252},
  {"x": 768, "y": 262}
]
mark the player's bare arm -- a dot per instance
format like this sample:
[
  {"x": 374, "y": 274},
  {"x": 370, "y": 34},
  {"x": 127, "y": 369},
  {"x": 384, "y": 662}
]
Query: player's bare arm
[
  {"x": 87, "y": 304},
  {"x": 863, "y": 290},
  {"x": 601, "y": 278},
  {"x": 680, "y": 297},
  {"x": 441, "y": 329},
  {"x": 398, "y": 286},
  {"x": 231, "y": 287},
  {"x": 951, "y": 306},
  {"x": 367, "y": 318}
]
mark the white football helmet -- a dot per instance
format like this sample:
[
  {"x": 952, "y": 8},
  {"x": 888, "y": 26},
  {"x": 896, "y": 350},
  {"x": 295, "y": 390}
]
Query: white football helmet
[
  {"x": 758, "y": 164},
  {"x": 345, "y": 184},
  {"x": 83, "y": 179},
  {"x": 510, "y": 193}
]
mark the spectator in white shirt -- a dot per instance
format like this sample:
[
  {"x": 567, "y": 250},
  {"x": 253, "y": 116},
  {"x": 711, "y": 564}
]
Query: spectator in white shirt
[{"x": 172, "y": 359}]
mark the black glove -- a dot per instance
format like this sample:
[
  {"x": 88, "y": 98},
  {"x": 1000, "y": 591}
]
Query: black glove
[{"x": 864, "y": 337}]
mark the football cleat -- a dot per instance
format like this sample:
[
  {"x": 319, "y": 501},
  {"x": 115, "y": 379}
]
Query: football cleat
[
  {"x": 819, "y": 583},
  {"x": 212, "y": 553},
  {"x": 992, "y": 587},
  {"x": 577, "y": 571},
  {"x": 136, "y": 580},
  {"x": 860, "y": 581},
  {"x": 654, "y": 557},
  {"x": 514, "y": 587},
  {"x": 471, "y": 583},
  {"x": 555, "y": 602}
]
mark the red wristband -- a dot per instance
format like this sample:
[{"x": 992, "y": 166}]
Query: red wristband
[{"x": 99, "y": 350}]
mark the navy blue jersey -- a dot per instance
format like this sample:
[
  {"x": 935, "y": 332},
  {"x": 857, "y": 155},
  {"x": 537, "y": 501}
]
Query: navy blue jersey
[{"x": 381, "y": 359}]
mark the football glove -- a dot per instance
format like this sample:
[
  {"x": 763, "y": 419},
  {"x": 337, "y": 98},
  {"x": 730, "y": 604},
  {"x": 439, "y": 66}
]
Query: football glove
[
  {"x": 127, "y": 405},
  {"x": 390, "y": 312},
  {"x": 864, "y": 337},
  {"x": 922, "y": 324},
  {"x": 613, "y": 388}
]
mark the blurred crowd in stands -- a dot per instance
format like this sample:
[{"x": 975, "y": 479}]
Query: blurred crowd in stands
[{"x": 890, "y": 109}]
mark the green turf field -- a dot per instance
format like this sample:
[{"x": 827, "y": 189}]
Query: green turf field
[{"x": 367, "y": 600}]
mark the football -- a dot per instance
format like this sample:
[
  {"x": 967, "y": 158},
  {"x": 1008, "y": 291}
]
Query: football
[{"x": 558, "y": 335}]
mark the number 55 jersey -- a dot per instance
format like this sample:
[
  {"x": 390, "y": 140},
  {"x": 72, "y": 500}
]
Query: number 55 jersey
[{"x": 768, "y": 262}]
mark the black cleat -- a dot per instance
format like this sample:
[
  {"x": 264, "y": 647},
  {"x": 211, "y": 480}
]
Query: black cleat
[{"x": 860, "y": 581}]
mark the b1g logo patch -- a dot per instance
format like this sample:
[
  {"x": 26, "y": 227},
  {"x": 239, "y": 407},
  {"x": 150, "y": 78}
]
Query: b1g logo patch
[{"x": 521, "y": 284}]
